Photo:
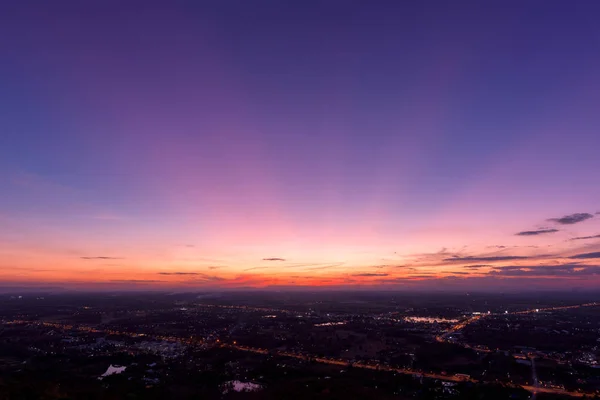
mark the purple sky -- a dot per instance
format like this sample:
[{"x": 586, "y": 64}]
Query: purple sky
[{"x": 258, "y": 143}]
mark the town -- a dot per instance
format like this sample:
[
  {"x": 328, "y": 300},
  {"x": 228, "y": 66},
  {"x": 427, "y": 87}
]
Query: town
[{"x": 245, "y": 344}]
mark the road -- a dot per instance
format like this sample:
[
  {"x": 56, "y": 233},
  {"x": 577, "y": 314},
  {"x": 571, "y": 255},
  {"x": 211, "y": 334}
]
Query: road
[
  {"x": 378, "y": 367},
  {"x": 536, "y": 383},
  {"x": 464, "y": 323}
]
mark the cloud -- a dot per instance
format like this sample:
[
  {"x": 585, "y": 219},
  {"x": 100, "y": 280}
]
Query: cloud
[
  {"x": 195, "y": 277},
  {"x": 368, "y": 274},
  {"x": 433, "y": 257},
  {"x": 178, "y": 273},
  {"x": 135, "y": 280},
  {"x": 586, "y": 237},
  {"x": 209, "y": 278},
  {"x": 405, "y": 280},
  {"x": 32, "y": 269},
  {"x": 313, "y": 265},
  {"x": 476, "y": 266},
  {"x": 200, "y": 278},
  {"x": 538, "y": 232},
  {"x": 327, "y": 266},
  {"x": 253, "y": 268},
  {"x": 496, "y": 247},
  {"x": 214, "y": 267},
  {"x": 486, "y": 259},
  {"x": 274, "y": 259},
  {"x": 564, "y": 270},
  {"x": 101, "y": 258},
  {"x": 403, "y": 266},
  {"x": 586, "y": 256},
  {"x": 391, "y": 266},
  {"x": 451, "y": 277},
  {"x": 572, "y": 219}
]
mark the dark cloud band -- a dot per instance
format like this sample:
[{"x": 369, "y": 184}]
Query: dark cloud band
[
  {"x": 537, "y": 232},
  {"x": 485, "y": 259},
  {"x": 572, "y": 219}
]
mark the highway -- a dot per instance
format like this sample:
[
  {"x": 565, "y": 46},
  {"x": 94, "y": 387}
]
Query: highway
[{"x": 379, "y": 367}]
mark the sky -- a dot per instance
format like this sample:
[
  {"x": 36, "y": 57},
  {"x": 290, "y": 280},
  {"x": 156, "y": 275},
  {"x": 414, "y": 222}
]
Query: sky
[{"x": 310, "y": 144}]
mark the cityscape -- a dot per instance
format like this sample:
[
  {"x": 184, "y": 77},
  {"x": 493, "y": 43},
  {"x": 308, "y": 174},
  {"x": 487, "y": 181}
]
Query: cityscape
[
  {"x": 299, "y": 199},
  {"x": 322, "y": 344}
]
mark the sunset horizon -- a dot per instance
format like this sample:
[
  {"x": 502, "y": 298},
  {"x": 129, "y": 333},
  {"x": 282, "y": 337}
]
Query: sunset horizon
[{"x": 297, "y": 146}]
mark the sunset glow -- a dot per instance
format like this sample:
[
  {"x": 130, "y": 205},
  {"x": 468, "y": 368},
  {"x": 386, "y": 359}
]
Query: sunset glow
[{"x": 195, "y": 147}]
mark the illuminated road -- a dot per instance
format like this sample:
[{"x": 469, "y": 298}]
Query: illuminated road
[
  {"x": 556, "y": 391},
  {"x": 536, "y": 383},
  {"x": 378, "y": 367},
  {"x": 344, "y": 363},
  {"x": 462, "y": 324}
]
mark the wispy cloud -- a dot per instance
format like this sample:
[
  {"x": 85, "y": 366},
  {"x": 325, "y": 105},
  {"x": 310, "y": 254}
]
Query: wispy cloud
[
  {"x": 274, "y": 259},
  {"x": 434, "y": 256},
  {"x": 308, "y": 266},
  {"x": 32, "y": 269},
  {"x": 200, "y": 278},
  {"x": 135, "y": 280},
  {"x": 537, "y": 232},
  {"x": 369, "y": 274},
  {"x": 586, "y": 237},
  {"x": 254, "y": 268},
  {"x": 392, "y": 266},
  {"x": 476, "y": 266},
  {"x": 327, "y": 266},
  {"x": 420, "y": 276},
  {"x": 178, "y": 273},
  {"x": 101, "y": 258},
  {"x": 547, "y": 270},
  {"x": 585, "y": 256},
  {"x": 210, "y": 278},
  {"x": 572, "y": 218},
  {"x": 485, "y": 259}
]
